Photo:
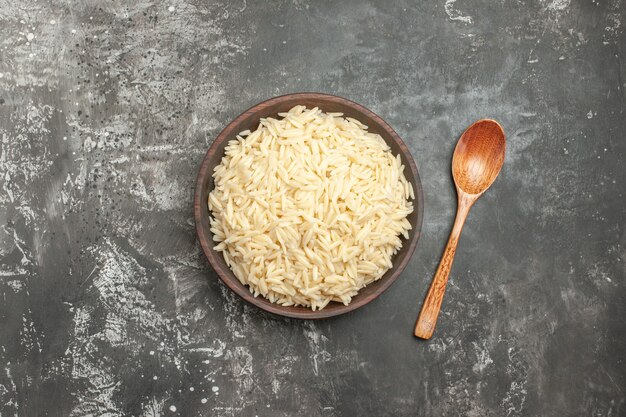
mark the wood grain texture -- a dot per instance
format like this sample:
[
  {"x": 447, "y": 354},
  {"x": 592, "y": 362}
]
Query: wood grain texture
[
  {"x": 425, "y": 326},
  {"x": 250, "y": 120},
  {"x": 477, "y": 160},
  {"x": 478, "y": 156}
]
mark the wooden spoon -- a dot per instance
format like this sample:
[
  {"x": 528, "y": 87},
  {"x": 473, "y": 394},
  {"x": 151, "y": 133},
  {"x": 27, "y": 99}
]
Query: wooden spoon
[{"x": 477, "y": 160}]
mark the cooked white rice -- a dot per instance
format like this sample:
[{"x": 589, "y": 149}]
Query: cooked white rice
[{"x": 310, "y": 208}]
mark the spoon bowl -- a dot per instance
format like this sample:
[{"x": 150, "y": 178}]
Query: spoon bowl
[{"x": 478, "y": 156}]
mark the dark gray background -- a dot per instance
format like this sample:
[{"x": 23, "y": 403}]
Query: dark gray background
[{"x": 108, "y": 307}]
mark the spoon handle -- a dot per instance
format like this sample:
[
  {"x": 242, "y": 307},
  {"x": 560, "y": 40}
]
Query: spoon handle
[{"x": 425, "y": 326}]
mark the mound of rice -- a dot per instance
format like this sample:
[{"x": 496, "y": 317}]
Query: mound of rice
[{"x": 310, "y": 208}]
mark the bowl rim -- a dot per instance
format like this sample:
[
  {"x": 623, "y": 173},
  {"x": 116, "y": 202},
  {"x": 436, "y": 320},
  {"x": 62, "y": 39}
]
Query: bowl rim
[{"x": 243, "y": 291}]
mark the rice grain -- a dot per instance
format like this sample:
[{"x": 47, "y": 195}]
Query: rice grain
[{"x": 310, "y": 208}]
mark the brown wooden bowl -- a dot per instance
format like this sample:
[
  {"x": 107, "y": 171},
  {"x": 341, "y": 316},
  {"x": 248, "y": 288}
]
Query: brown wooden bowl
[{"x": 250, "y": 120}]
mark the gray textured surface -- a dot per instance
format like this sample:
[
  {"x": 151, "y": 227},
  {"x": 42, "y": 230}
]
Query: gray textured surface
[{"x": 108, "y": 307}]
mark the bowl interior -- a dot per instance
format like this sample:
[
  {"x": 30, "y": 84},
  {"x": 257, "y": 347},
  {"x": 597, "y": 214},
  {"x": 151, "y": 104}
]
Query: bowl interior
[{"x": 250, "y": 120}]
